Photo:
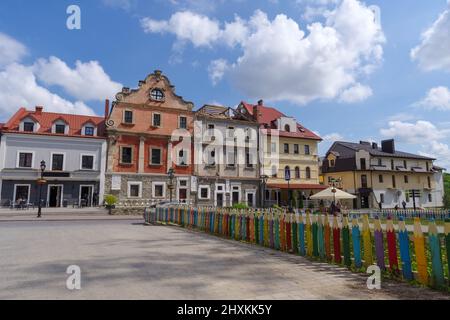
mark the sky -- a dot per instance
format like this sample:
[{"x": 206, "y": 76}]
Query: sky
[{"x": 347, "y": 69}]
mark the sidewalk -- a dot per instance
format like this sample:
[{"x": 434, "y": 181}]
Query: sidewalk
[{"x": 61, "y": 214}]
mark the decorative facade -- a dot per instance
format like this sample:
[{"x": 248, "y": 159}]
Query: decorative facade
[
  {"x": 150, "y": 132},
  {"x": 382, "y": 176},
  {"x": 73, "y": 148},
  {"x": 226, "y": 157}
]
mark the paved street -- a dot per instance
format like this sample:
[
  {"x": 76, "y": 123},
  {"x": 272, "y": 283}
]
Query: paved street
[{"x": 126, "y": 260}]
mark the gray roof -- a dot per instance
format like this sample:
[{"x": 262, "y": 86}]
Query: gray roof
[{"x": 350, "y": 148}]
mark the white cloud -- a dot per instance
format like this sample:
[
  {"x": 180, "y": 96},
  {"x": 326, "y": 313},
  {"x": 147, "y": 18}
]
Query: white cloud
[
  {"x": 433, "y": 53},
  {"x": 217, "y": 69},
  {"x": 280, "y": 61},
  {"x": 436, "y": 99},
  {"x": 10, "y": 50},
  {"x": 357, "y": 93},
  {"x": 20, "y": 89},
  {"x": 121, "y": 4},
  {"x": 439, "y": 151},
  {"x": 333, "y": 137},
  {"x": 421, "y": 132},
  {"x": 87, "y": 81}
]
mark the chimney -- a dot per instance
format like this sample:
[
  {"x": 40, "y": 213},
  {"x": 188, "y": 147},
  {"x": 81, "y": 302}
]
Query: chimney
[
  {"x": 260, "y": 103},
  {"x": 39, "y": 110},
  {"x": 365, "y": 143},
  {"x": 388, "y": 146},
  {"x": 374, "y": 145},
  {"x": 106, "y": 109}
]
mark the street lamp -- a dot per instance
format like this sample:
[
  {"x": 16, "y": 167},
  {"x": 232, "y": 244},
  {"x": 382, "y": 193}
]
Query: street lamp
[
  {"x": 41, "y": 181},
  {"x": 334, "y": 190},
  {"x": 264, "y": 179},
  {"x": 171, "y": 174}
]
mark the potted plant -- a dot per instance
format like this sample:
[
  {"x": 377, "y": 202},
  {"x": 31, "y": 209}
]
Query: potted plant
[{"x": 110, "y": 202}]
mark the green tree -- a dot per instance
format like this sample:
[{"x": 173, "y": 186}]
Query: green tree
[{"x": 447, "y": 190}]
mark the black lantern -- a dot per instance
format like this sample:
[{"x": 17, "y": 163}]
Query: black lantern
[
  {"x": 41, "y": 181},
  {"x": 171, "y": 174},
  {"x": 264, "y": 179}
]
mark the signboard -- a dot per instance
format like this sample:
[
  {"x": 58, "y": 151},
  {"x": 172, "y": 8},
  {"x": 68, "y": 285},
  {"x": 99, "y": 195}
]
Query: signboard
[
  {"x": 116, "y": 182},
  {"x": 287, "y": 174}
]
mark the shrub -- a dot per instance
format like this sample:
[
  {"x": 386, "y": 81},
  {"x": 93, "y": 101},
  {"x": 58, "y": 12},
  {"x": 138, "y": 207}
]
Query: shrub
[
  {"x": 240, "y": 206},
  {"x": 110, "y": 200}
]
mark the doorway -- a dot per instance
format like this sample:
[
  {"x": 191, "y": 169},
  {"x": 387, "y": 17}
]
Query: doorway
[
  {"x": 364, "y": 202},
  {"x": 219, "y": 200},
  {"x": 86, "y": 196},
  {"x": 54, "y": 197}
]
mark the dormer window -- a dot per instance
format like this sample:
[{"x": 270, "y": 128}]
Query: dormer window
[
  {"x": 28, "y": 126},
  {"x": 157, "y": 95},
  {"x": 89, "y": 131},
  {"x": 287, "y": 128},
  {"x": 60, "y": 128}
]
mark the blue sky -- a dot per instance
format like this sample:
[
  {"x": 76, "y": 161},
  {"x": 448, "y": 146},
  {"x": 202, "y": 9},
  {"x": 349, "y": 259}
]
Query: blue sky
[{"x": 336, "y": 65}]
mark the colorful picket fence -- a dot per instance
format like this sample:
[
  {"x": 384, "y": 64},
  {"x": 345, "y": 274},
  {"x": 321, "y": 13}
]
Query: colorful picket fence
[
  {"x": 427, "y": 214},
  {"x": 410, "y": 255}
]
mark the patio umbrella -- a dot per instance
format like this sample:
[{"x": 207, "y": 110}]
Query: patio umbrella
[{"x": 332, "y": 194}]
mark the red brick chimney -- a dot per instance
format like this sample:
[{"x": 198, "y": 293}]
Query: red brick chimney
[
  {"x": 39, "y": 110},
  {"x": 106, "y": 109}
]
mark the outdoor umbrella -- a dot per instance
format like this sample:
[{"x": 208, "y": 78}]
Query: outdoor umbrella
[{"x": 332, "y": 194}]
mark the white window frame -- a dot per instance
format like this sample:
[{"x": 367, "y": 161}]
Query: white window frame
[
  {"x": 132, "y": 118},
  {"x": 132, "y": 155},
  {"x": 64, "y": 160},
  {"x": 93, "y": 163},
  {"x": 129, "y": 184},
  {"x": 180, "y": 187},
  {"x": 179, "y": 122},
  {"x": 251, "y": 191},
  {"x": 204, "y": 186},
  {"x": 62, "y": 193},
  {"x": 160, "y": 120},
  {"x": 185, "y": 156},
  {"x": 22, "y": 125},
  {"x": 22, "y": 185},
  {"x": 154, "y": 184},
  {"x": 60, "y": 122},
  {"x": 18, "y": 159},
  {"x": 91, "y": 125}
]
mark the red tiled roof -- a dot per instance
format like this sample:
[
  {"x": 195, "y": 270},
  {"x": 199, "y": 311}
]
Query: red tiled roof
[
  {"x": 46, "y": 120},
  {"x": 268, "y": 114},
  {"x": 294, "y": 186}
]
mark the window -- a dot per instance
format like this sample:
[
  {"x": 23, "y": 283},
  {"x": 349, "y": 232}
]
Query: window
[
  {"x": 407, "y": 196},
  {"x": 25, "y": 160},
  {"x": 332, "y": 163},
  {"x": 380, "y": 162},
  {"x": 274, "y": 172},
  {"x": 405, "y": 164},
  {"x": 428, "y": 166},
  {"x": 156, "y": 121},
  {"x": 230, "y": 131},
  {"x": 159, "y": 189},
  {"x": 296, "y": 149},
  {"x": 380, "y": 178},
  {"x": 392, "y": 164},
  {"x": 430, "y": 198},
  {"x": 57, "y": 162},
  {"x": 286, "y": 148},
  {"x": 21, "y": 193},
  {"x": 157, "y": 95},
  {"x": 28, "y": 126},
  {"x": 183, "y": 123},
  {"x": 128, "y": 117},
  {"x": 60, "y": 128},
  {"x": 212, "y": 158},
  {"x": 126, "y": 156},
  {"x": 182, "y": 158},
  {"x": 364, "y": 181},
  {"x": 363, "y": 163},
  {"x": 134, "y": 189},
  {"x": 248, "y": 159},
  {"x": 155, "y": 155},
  {"x": 308, "y": 173},
  {"x": 429, "y": 182},
  {"x": 210, "y": 129},
  {"x": 273, "y": 147},
  {"x": 307, "y": 150},
  {"x": 231, "y": 158},
  {"x": 87, "y": 162},
  {"x": 406, "y": 179},
  {"x": 204, "y": 192},
  {"x": 382, "y": 197},
  {"x": 287, "y": 173},
  {"x": 89, "y": 131},
  {"x": 287, "y": 128},
  {"x": 394, "y": 184},
  {"x": 297, "y": 173}
]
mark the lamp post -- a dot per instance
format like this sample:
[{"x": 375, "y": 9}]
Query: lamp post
[
  {"x": 264, "y": 179},
  {"x": 41, "y": 181},
  {"x": 171, "y": 174},
  {"x": 334, "y": 190}
]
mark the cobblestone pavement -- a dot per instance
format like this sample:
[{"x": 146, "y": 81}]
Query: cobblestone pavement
[{"x": 126, "y": 260}]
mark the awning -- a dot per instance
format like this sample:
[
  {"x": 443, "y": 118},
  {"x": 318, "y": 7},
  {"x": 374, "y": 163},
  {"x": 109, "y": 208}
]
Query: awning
[
  {"x": 293, "y": 186},
  {"x": 328, "y": 194}
]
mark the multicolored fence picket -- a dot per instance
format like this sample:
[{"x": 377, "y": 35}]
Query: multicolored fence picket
[
  {"x": 411, "y": 255},
  {"x": 425, "y": 214}
]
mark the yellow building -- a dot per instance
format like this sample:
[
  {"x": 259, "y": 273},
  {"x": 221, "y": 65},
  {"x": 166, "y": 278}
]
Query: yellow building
[
  {"x": 381, "y": 176},
  {"x": 288, "y": 156}
]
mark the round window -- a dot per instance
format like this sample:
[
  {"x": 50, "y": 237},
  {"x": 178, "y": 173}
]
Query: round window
[{"x": 157, "y": 95}]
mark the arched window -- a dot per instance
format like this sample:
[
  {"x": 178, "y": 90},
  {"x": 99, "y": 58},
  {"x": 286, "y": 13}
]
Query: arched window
[
  {"x": 287, "y": 172},
  {"x": 297, "y": 173},
  {"x": 157, "y": 95},
  {"x": 274, "y": 171},
  {"x": 308, "y": 173},
  {"x": 287, "y": 128}
]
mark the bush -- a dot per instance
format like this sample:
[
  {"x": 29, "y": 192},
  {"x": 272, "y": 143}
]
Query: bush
[
  {"x": 110, "y": 200},
  {"x": 240, "y": 206}
]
